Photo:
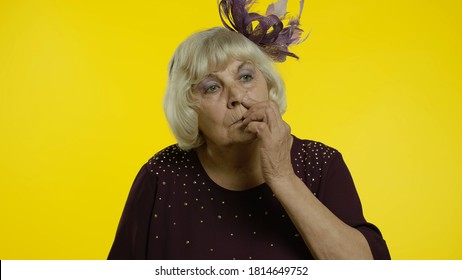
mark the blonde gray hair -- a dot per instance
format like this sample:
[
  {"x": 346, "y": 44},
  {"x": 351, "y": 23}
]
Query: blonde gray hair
[{"x": 192, "y": 61}]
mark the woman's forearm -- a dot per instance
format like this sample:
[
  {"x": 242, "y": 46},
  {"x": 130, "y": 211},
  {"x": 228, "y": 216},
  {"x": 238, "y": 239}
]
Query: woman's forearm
[{"x": 326, "y": 236}]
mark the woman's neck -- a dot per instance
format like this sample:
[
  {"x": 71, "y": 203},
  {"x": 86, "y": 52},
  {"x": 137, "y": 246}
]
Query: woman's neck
[{"x": 235, "y": 167}]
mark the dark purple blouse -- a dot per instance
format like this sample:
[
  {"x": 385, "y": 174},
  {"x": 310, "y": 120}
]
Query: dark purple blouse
[{"x": 175, "y": 211}]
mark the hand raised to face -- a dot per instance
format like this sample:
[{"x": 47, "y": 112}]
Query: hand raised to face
[{"x": 265, "y": 121}]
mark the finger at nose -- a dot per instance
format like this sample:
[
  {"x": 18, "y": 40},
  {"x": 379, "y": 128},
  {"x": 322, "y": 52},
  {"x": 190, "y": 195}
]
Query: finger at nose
[
  {"x": 238, "y": 113},
  {"x": 248, "y": 101}
]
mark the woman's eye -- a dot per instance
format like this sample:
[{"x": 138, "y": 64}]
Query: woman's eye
[
  {"x": 246, "y": 77},
  {"x": 212, "y": 89}
]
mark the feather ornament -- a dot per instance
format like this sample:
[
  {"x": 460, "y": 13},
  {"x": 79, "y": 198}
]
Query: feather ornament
[{"x": 267, "y": 31}]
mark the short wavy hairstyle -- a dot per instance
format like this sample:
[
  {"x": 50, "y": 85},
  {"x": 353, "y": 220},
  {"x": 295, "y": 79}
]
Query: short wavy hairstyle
[{"x": 192, "y": 61}]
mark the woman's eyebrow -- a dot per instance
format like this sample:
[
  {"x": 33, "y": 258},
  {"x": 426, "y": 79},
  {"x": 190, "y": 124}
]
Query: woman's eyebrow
[
  {"x": 244, "y": 64},
  {"x": 214, "y": 75},
  {"x": 210, "y": 75}
]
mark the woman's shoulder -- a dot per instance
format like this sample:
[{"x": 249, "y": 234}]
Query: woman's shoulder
[
  {"x": 311, "y": 148},
  {"x": 312, "y": 160},
  {"x": 168, "y": 158}
]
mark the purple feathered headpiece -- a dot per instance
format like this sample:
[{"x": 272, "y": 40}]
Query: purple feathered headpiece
[{"x": 269, "y": 33}]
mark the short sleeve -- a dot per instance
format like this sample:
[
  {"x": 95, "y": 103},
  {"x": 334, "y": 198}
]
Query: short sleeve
[
  {"x": 338, "y": 193},
  {"x": 132, "y": 233}
]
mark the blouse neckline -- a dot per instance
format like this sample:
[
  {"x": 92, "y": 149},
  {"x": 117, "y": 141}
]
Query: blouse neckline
[{"x": 216, "y": 186}]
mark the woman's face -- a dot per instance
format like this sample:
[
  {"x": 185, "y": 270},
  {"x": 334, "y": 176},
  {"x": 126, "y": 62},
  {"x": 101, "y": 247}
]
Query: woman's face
[{"x": 220, "y": 108}]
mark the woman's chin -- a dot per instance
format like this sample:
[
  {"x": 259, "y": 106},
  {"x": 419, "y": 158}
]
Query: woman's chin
[{"x": 243, "y": 137}]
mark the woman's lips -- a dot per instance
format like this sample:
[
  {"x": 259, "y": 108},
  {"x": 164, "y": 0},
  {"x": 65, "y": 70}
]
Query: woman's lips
[{"x": 239, "y": 121}]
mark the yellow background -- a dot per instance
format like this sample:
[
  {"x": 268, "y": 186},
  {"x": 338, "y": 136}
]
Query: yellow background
[{"x": 81, "y": 85}]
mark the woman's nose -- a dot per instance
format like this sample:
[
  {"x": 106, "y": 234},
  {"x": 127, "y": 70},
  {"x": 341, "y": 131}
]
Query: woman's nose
[{"x": 235, "y": 97}]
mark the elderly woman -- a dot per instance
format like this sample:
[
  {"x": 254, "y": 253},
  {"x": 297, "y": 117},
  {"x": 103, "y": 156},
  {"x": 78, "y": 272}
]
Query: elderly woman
[{"x": 238, "y": 185}]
